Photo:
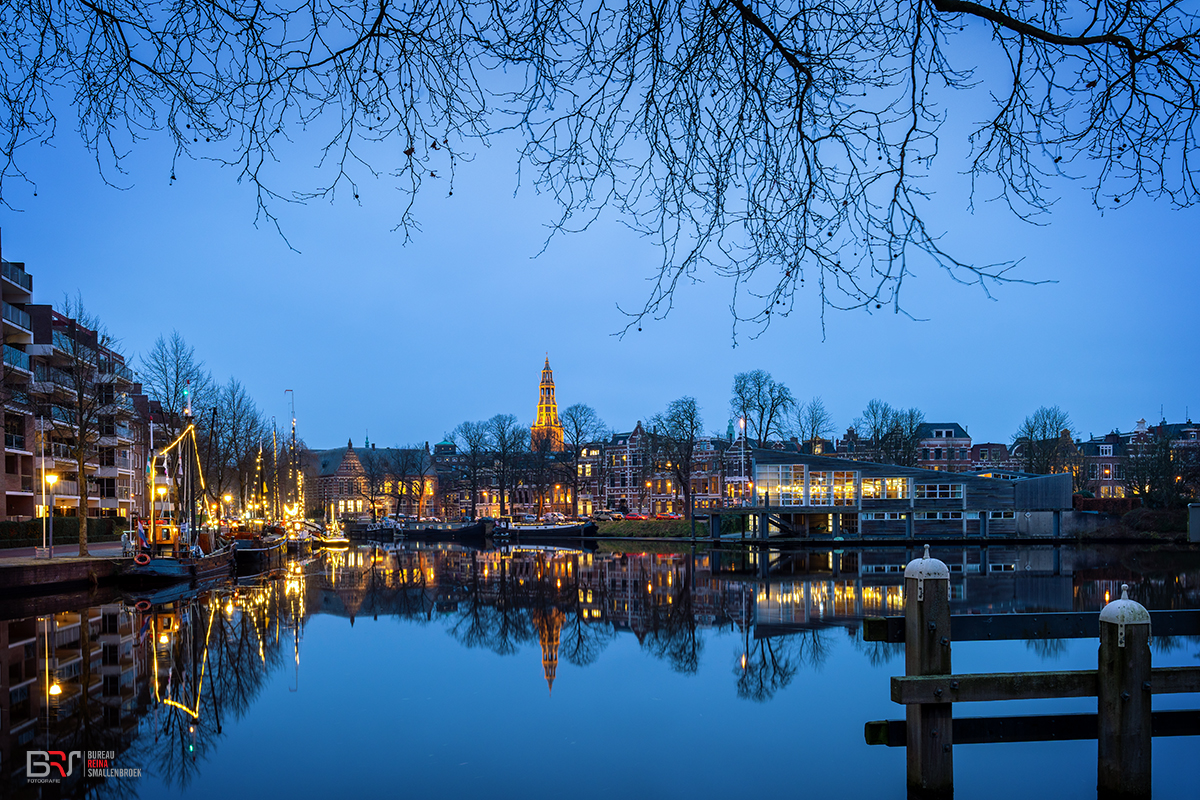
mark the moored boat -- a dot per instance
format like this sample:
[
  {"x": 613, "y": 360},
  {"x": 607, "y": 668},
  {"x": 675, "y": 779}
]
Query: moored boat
[
  {"x": 463, "y": 532},
  {"x": 258, "y": 547},
  {"x": 507, "y": 527}
]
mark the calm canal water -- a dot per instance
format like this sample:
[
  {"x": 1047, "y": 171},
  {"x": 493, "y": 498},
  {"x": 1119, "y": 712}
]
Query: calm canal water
[{"x": 450, "y": 672}]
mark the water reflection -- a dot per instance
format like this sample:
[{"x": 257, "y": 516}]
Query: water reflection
[{"x": 154, "y": 680}]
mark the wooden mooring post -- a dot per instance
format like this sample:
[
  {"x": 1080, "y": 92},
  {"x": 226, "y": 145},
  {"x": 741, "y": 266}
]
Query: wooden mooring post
[
  {"x": 1123, "y": 704},
  {"x": 927, "y": 652},
  {"x": 1122, "y": 683}
]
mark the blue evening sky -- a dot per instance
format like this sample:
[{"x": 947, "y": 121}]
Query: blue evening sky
[{"x": 405, "y": 341}]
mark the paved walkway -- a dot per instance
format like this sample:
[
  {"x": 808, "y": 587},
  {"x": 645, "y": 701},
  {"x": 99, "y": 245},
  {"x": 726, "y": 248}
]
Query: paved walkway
[{"x": 66, "y": 550}]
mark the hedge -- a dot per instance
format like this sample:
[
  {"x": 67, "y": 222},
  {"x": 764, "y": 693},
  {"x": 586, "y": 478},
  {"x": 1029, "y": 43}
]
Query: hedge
[{"x": 66, "y": 531}]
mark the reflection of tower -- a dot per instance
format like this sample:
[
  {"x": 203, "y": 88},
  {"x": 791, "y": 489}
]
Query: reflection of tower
[
  {"x": 547, "y": 426},
  {"x": 549, "y": 626}
]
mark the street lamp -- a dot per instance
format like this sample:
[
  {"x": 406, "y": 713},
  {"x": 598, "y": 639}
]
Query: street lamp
[
  {"x": 228, "y": 499},
  {"x": 162, "y": 490},
  {"x": 51, "y": 479}
]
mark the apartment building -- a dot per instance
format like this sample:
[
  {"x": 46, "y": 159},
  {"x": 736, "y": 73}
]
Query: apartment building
[
  {"x": 16, "y": 292},
  {"x": 74, "y": 366},
  {"x": 52, "y": 365}
]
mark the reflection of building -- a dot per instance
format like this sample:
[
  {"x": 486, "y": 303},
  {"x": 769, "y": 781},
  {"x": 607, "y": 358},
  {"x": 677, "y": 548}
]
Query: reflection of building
[
  {"x": 72, "y": 652},
  {"x": 546, "y": 428},
  {"x": 549, "y": 627}
]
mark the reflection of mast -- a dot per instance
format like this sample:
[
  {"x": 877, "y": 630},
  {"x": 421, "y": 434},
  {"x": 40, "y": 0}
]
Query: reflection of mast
[{"x": 549, "y": 626}]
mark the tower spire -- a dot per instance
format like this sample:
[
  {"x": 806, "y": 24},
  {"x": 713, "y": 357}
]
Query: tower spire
[{"x": 546, "y": 426}]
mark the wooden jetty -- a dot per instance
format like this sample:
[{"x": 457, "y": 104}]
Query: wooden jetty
[{"x": 1123, "y": 683}]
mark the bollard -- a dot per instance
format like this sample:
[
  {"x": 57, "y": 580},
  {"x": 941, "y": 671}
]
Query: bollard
[
  {"x": 927, "y": 652},
  {"x": 1123, "y": 678}
]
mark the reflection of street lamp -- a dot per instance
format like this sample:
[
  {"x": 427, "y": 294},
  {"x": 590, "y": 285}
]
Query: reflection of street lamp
[
  {"x": 51, "y": 479},
  {"x": 227, "y": 498},
  {"x": 649, "y": 503}
]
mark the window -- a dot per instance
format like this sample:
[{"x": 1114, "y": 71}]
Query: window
[
  {"x": 784, "y": 483},
  {"x": 939, "y": 491},
  {"x": 983, "y": 454},
  {"x": 937, "y": 434},
  {"x": 962, "y": 454},
  {"x": 1106, "y": 450},
  {"x": 1119, "y": 472},
  {"x": 1093, "y": 470},
  {"x": 885, "y": 488},
  {"x": 937, "y": 454},
  {"x": 925, "y": 454},
  {"x": 940, "y": 515},
  {"x": 1003, "y": 515},
  {"x": 1106, "y": 471}
]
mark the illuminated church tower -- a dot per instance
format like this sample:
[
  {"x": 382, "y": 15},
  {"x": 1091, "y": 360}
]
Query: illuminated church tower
[{"x": 546, "y": 426}]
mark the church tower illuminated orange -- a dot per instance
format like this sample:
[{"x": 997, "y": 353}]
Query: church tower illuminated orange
[{"x": 547, "y": 426}]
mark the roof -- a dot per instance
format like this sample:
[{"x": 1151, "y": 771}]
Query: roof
[
  {"x": 869, "y": 469},
  {"x": 926, "y": 429}
]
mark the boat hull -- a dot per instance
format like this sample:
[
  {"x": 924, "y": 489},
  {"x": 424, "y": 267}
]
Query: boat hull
[
  {"x": 259, "y": 555},
  {"x": 175, "y": 570},
  {"x": 536, "y": 532},
  {"x": 468, "y": 533}
]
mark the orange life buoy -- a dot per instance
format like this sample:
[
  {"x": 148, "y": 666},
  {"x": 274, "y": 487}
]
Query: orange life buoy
[
  {"x": 141, "y": 559},
  {"x": 143, "y": 605}
]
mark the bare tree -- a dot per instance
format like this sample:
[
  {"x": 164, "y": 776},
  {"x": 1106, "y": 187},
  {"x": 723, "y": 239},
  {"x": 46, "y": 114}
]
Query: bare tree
[
  {"x": 780, "y": 146},
  {"x": 582, "y": 426},
  {"x": 1160, "y": 472},
  {"x": 473, "y": 441},
  {"x": 175, "y": 376},
  {"x": 508, "y": 440},
  {"x": 240, "y": 428},
  {"x": 899, "y": 445},
  {"x": 673, "y": 443},
  {"x": 763, "y": 402},
  {"x": 409, "y": 469},
  {"x": 374, "y": 479},
  {"x": 1045, "y": 441},
  {"x": 874, "y": 423},
  {"x": 813, "y": 423}
]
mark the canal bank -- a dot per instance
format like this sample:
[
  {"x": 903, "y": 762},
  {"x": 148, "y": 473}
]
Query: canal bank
[{"x": 36, "y": 576}]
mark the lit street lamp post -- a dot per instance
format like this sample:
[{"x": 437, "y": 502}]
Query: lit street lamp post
[
  {"x": 51, "y": 479},
  {"x": 162, "y": 491}
]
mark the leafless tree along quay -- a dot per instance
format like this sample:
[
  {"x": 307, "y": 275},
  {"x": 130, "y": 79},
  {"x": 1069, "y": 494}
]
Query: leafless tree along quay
[{"x": 781, "y": 148}]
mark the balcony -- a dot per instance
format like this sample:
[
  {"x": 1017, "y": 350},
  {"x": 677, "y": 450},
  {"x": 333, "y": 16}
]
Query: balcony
[
  {"x": 16, "y": 359},
  {"x": 16, "y": 316},
  {"x": 113, "y": 370},
  {"x": 15, "y": 273}
]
